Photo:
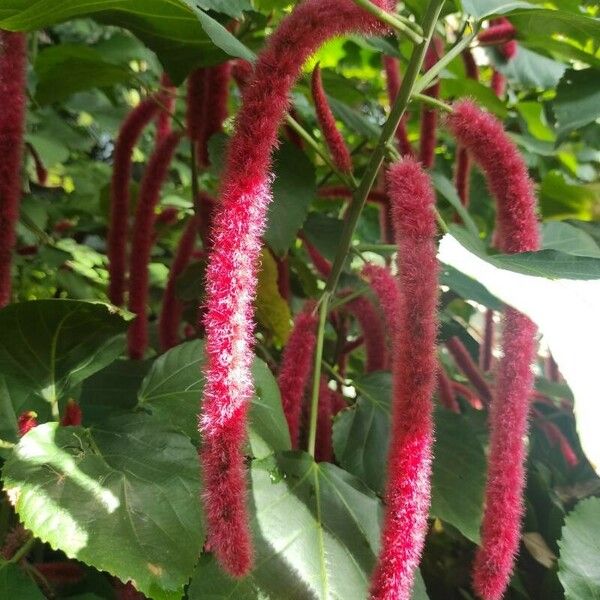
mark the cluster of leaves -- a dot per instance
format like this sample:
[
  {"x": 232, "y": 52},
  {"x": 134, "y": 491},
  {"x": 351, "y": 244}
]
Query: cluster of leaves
[{"x": 119, "y": 496}]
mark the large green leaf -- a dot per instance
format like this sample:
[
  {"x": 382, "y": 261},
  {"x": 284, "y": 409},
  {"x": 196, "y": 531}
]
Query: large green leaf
[
  {"x": 172, "y": 391},
  {"x": 78, "y": 68},
  {"x": 570, "y": 239},
  {"x": 468, "y": 288},
  {"x": 50, "y": 346},
  {"x": 123, "y": 497},
  {"x": 561, "y": 199},
  {"x": 361, "y": 439},
  {"x": 577, "y": 101},
  {"x": 579, "y": 563},
  {"x": 15, "y": 584},
  {"x": 293, "y": 189},
  {"x": 182, "y": 34},
  {"x": 532, "y": 70},
  {"x": 555, "y": 23},
  {"x": 485, "y": 8}
]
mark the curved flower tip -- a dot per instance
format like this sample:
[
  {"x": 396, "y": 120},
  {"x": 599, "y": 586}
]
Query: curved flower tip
[
  {"x": 26, "y": 422},
  {"x": 72, "y": 415}
]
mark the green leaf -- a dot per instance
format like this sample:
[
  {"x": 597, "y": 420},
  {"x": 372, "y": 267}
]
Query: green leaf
[
  {"x": 361, "y": 438},
  {"x": 577, "y": 101},
  {"x": 324, "y": 232},
  {"x": 447, "y": 189},
  {"x": 532, "y": 70},
  {"x": 550, "y": 264},
  {"x": 468, "y": 288},
  {"x": 316, "y": 529},
  {"x": 15, "y": 584},
  {"x": 353, "y": 119},
  {"x": 569, "y": 239},
  {"x": 52, "y": 345},
  {"x": 180, "y": 33},
  {"x": 560, "y": 199},
  {"x": 172, "y": 391},
  {"x": 485, "y": 8},
  {"x": 123, "y": 497},
  {"x": 233, "y": 8},
  {"x": 462, "y": 87},
  {"x": 77, "y": 68},
  {"x": 293, "y": 189},
  {"x": 579, "y": 563}
]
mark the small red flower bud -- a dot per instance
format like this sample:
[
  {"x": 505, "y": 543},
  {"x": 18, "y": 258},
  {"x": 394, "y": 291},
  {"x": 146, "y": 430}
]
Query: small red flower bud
[{"x": 26, "y": 422}]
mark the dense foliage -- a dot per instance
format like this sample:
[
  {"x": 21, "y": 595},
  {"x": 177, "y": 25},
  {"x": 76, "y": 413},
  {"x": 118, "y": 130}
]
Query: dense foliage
[{"x": 221, "y": 303}]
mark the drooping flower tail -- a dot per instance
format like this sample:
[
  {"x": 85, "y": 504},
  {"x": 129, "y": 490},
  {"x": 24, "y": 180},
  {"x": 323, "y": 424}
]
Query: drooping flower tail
[
  {"x": 217, "y": 96},
  {"x": 467, "y": 365},
  {"x": 486, "y": 347},
  {"x": 231, "y": 272},
  {"x": 323, "y": 445},
  {"x": 171, "y": 310},
  {"x": 296, "y": 367},
  {"x": 333, "y": 138},
  {"x": 166, "y": 99},
  {"x": 142, "y": 237},
  {"x": 516, "y": 231},
  {"x": 371, "y": 325},
  {"x": 118, "y": 228},
  {"x": 392, "y": 75},
  {"x": 13, "y": 65},
  {"x": 408, "y": 487},
  {"x": 429, "y": 115},
  {"x": 445, "y": 391}
]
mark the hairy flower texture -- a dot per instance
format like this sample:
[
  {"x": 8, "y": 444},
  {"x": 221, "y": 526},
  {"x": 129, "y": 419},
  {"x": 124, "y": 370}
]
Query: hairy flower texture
[
  {"x": 392, "y": 75},
  {"x": 498, "y": 83},
  {"x": 340, "y": 191},
  {"x": 13, "y": 541},
  {"x": 142, "y": 237},
  {"x": 26, "y": 422},
  {"x": 471, "y": 68},
  {"x": 556, "y": 437},
  {"x": 429, "y": 115},
  {"x": 517, "y": 231},
  {"x": 296, "y": 367},
  {"x": 469, "y": 368},
  {"x": 408, "y": 488},
  {"x": 283, "y": 277},
  {"x": 72, "y": 414},
  {"x": 500, "y": 31},
  {"x": 487, "y": 343},
  {"x": 197, "y": 91},
  {"x": 445, "y": 390},
  {"x": 172, "y": 309},
  {"x": 231, "y": 272},
  {"x": 13, "y": 65},
  {"x": 333, "y": 138},
  {"x": 468, "y": 394},
  {"x": 217, "y": 97},
  {"x": 369, "y": 320},
  {"x": 323, "y": 445},
  {"x": 242, "y": 71},
  {"x": 118, "y": 227},
  {"x": 166, "y": 99}
]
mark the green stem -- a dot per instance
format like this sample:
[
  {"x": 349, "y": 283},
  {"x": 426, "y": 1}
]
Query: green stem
[
  {"x": 353, "y": 296},
  {"x": 394, "y": 21},
  {"x": 314, "y": 404},
  {"x": 23, "y": 551},
  {"x": 377, "y": 156},
  {"x": 434, "y": 102},
  {"x": 377, "y": 247},
  {"x": 310, "y": 140}
]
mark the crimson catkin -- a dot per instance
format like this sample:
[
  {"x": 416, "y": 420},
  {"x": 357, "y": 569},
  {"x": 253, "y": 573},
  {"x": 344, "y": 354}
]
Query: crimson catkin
[
  {"x": 166, "y": 99},
  {"x": 408, "y": 487},
  {"x": 445, "y": 390},
  {"x": 231, "y": 272},
  {"x": 26, "y": 422},
  {"x": 323, "y": 445},
  {"x": 487, "y": 343},
  {"x": 371, "y": 325},
  {"x": 516, "y": 231},
  {"x": 500, "y": 31},
  {"x": 40, "y": 169},
  {"x": 13, "y": 66},
  {"x": 171, "y": 310},
  {"x": 142, "y": 236},
  {"x": 217, "y": 97},
  {"x": 429, "y": 115},
  {"x": 340, "y": 191},
  {"x": 333, "y": 138},
  {"x": 72, "y": 414},
  {"x": 392, "y": 74},
  {"x": 467, "y": 365},
  {"x": 118, "y": 227},
  {"x": 296, "y": 366}
]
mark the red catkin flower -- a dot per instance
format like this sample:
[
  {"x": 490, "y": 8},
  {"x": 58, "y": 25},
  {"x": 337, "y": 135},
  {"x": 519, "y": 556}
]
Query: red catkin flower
[
  {"x": 408, "y": 488},
  {"x": 166, "y": 99},
  {"x": 197, "y": 91},
  {"x": 333, "y": 138},
  {"x": 517, "y": 231},
  {"x": 499, "y": 32},
  {"x": 283, "y": 277},
  {"x": 323, "y": 442},
  {"x": 142, "y": 237},
  {"x": 467, "y": 365},
  {"x": 471, "y": 68},
  {"x": 445, "y": 390},
  {"x": 61, "y": 573},
  {"x": 231, "y": 272},
  {"x": 552, "y": 370},
  {"x": 171, "y": 311},
  {"x": 13, "y": 541},
  {"x": 392, "y": 75},
  {"x": 296, "y": 367},
  {"x": 371, "y": 325},
  {"x": 118, "y": 227},
  {"x": 72, "y": 414},
  {"x": 340, "y": 191},
  {"x": 13, "y": 66},
  {"x": 468, "y": 394},
  {"x": 498, "y": 83},
  {"x": 486, "y": 347},
  {"x": 218, "y": 79},
  {"x": 242, "y": 71},
  {"x": 26, "y": 422},
  {"x": 429, "y": 115}
]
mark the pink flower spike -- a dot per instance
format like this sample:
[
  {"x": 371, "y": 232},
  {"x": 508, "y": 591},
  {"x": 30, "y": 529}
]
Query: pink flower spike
[
  {"x": 118, "y": 228},
  {"x": 470, "y": 370},
  {"x": 323, "y": 446},
  {"x": 445, "y": 390},
  {"x": 142, "y": 237},
  {"x": 408, "y": 488},
  {"x": 26, "y": 422},
  {"x": 13, "y": 67},
  {"x": 231, "y": 273},
  {"x": 170, "y": 315},
  {"x": 296, "y": 367},
  {"x": 333, "y": 138},
  {"x": 516, "y": 231},
  {"x": 166, "y": 98},
  {"x": 371, "y": 325},
  {"x": 392, "y": 74},
  {"x": 501, "y": 31},
  {"x": 429, "y": 115},
  {"x": 72, "y": 415}
]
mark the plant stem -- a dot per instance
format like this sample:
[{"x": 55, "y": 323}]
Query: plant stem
[
  {"x": 345, "y": 299},
  {"x": 314, "y": 404},
  {"x": 434, "y": 102},
  {"x": 23, "y": 551},
  {"x": 399, "y": 107},
  {"x": 395, "y": 22}
]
